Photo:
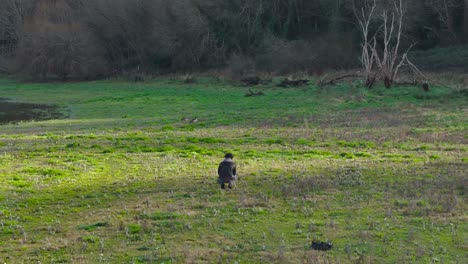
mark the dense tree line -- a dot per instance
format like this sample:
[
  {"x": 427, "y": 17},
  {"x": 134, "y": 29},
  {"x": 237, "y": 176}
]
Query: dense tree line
[{"x": 90, "y": 38}]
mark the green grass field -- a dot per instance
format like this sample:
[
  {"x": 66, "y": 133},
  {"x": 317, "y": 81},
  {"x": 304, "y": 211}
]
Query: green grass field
[{"x": 130, "y": 175}]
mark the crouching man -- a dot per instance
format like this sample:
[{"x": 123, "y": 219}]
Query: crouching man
[{"x": 227, "y": 171}]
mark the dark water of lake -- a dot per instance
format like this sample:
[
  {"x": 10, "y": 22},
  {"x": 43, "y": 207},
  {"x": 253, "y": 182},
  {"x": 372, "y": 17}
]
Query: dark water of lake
[{"x": 12, "y": 112}]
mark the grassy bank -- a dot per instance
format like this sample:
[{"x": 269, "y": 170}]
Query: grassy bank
[{"x": 130, "y": 175}]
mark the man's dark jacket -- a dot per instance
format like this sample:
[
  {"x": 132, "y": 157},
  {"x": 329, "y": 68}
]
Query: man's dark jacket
[{"x": 227, "y": 170}]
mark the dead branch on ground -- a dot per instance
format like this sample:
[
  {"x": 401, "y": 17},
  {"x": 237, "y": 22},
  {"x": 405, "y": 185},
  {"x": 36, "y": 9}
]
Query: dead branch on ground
[
  {"x": 251, "y": 93},
  {"x": 252, "y": 80},
  {"x": 295, "y": 83},
  {"x": 189, "y": 78}
]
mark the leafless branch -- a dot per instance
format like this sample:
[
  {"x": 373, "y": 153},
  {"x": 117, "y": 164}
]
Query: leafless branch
[{"x": 388, "y": 59}]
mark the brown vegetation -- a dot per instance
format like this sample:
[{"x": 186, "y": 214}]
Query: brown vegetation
[
  {"x": 88, "y": 38},
  {"x": 52, "y": 43}
]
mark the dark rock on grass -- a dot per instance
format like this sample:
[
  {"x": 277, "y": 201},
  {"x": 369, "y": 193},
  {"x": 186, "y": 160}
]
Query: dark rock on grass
[
  {"x": 322, "y": 246},
  {"x": 252, "y": 80}
]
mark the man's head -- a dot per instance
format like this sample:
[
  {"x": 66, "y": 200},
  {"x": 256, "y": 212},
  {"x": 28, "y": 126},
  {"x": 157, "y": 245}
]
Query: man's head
[{"x": 228, "y": 156}]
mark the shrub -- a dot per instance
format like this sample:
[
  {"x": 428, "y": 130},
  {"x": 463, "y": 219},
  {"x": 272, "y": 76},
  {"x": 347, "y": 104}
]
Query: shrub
[
  {"x": 283, "y": 56},
  {"x": 240, "y": 65},
  {"x": 134, "y": 228},
  {"x": 442, "y": 59},
  {"x": 313, "y": 56},
  {"x": 52, "y": 45}
]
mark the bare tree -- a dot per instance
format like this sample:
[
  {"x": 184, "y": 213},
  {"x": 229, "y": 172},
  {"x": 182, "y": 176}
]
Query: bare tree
[
  {"x": 149, "y": 35},
  {"x": 390, "y": 60},
  {"x": 368, "y": 44},
  {"x": 384, "y": 53}
]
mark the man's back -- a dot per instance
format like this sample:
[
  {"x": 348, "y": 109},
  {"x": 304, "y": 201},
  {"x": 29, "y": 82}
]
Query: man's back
[{"x": 227, "y": 169}]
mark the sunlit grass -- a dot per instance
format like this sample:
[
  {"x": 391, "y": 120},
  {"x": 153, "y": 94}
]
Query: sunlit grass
[{"x": 130, "y": 176}]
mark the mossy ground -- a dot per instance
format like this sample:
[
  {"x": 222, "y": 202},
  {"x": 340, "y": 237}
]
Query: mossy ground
[{"x": 130, "y": 176}]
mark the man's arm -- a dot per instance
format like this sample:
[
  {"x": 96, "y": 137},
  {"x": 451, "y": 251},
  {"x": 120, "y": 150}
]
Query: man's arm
[{"x": 234, "y": 170}]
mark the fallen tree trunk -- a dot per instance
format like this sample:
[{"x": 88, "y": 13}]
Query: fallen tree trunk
[
  {"x": 324, "y": 82},
  {"x": 252, "y": 81},
  {"x": 287, "y": 83}
]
